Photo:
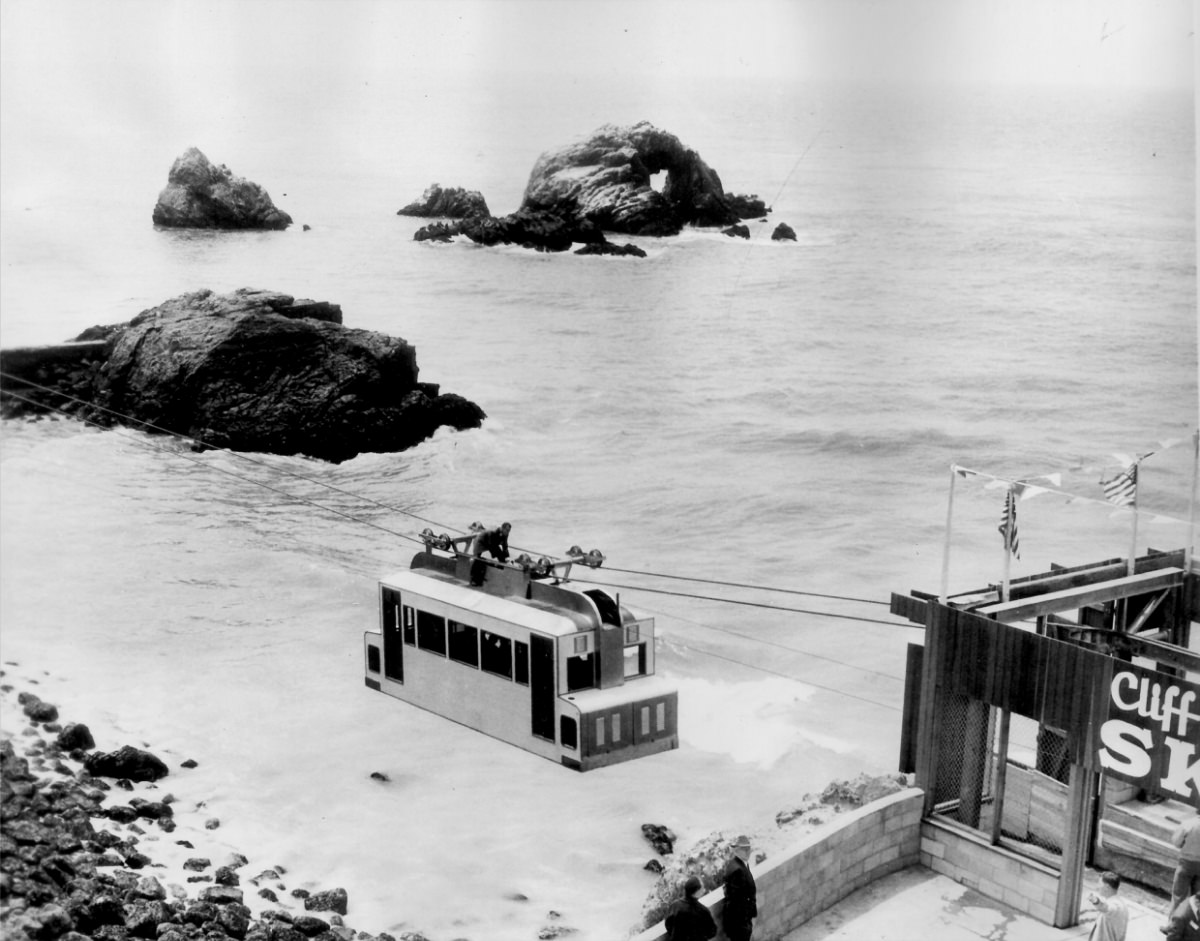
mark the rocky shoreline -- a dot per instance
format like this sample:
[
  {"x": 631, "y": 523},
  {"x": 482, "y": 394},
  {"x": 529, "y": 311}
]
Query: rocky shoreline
[
  {"x": 94, "y": 845},
  {"x": 78, "y": 855}
]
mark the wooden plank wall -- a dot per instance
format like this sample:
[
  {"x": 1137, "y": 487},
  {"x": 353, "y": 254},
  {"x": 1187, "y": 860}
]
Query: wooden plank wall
[{"x": 1050, "y": 681}]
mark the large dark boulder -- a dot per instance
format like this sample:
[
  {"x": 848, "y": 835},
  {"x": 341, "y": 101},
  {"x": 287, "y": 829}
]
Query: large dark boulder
[
  {"x": 259, "y": 371},
  {"x": 126, "y": 762},
  {"x": 201, "y": 196},
  {"x": 451, "y": 202},
  {"x": 606, "y": 179},
  {"x": 545, "y": 230}
]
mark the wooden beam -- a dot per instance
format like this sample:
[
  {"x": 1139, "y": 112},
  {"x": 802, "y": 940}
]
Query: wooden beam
[
  {"x": 1061, "y": 578},
  {"x": 1026, "y": 609}
]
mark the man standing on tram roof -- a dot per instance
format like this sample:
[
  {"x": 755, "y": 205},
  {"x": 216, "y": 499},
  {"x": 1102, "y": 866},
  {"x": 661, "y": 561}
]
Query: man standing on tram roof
[
  {"x": 495, "y": 543},
  {"x": 741, "y": 895}
]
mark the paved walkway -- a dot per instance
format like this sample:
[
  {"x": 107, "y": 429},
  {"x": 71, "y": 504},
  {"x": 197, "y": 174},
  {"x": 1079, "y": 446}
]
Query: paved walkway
[{"x": 917, "y": 904}]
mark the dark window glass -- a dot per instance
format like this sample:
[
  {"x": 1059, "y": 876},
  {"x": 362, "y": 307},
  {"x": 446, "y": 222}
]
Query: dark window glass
[
  {"x": 522, "y": 663},
  {"x": 372, "y": 658},
  {"x": 431, "y": 632},
  {"x": 568, "y": 732},
  {"x": 495, "y": 654},
  {"x": 410, "y": 630},
  {"x": 581, "y": 672},
  {"x": 464, "y": 644}
]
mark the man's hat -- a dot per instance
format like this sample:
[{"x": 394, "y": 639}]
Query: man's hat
[{"x": 742, "y": 843}]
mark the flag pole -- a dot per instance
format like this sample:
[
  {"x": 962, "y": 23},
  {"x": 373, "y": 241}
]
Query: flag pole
[
  {"x": 1132, "y": 569},
  {"x": 1009, "y": 515},
  {"x": 1187, "y": 554},
  {"x": 945, "y": 593}
]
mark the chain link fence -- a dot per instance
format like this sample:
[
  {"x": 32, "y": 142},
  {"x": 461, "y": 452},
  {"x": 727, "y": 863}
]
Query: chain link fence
[{"x": 1021, "y": 778}]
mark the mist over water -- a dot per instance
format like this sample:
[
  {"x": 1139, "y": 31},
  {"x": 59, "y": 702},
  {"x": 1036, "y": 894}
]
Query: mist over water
[{"x": 1005, "y": 280}]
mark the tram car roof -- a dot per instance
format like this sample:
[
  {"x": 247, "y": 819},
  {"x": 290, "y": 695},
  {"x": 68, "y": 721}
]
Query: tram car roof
[{"x": 507, "y": 595}]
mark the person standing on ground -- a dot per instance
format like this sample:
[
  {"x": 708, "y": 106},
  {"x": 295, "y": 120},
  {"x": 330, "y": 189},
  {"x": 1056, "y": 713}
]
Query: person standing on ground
[
  {"x": 1184, "y": 923},
  {"x": 1187, "y": 868},
  {"x": 741, "y": 895},
  {"x": 688, "y": 919},
  {"x": 1114, "y": 915}
]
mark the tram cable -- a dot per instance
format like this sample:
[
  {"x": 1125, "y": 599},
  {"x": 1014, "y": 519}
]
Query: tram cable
[
  {"x": 775, "y": 643},
  {"x": 292, "y": 498},
  {"x": 200, "y": 441},
  {"x": 749, "y": 604},
  {"x": 250, "y": 480},
  {"x": 786, "y": 676},
  {"x": 415, "y": 539},
  {"x": 367, "y": 499},
  {"x": 713, "y": 581}
]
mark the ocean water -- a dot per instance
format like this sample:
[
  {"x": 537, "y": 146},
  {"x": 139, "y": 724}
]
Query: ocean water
[{"x": 1003, "y": 279}]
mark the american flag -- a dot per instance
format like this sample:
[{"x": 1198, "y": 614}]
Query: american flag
[
  {"x": 1122, "y": 489},
  {"x": 1008, "y": 525}
]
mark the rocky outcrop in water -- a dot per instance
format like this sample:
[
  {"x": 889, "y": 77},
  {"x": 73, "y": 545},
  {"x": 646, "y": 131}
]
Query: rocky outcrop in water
[
  {"x": 254, "y": 371},
  {"x": 452, "y": 202},
  {"x": 541, "y": 230},
  {"x": 544, "y": 231},
  {"x": 606, "y": 179},
  {"x": 202, "y": 196},
  {"x": 783, "y": 232}
]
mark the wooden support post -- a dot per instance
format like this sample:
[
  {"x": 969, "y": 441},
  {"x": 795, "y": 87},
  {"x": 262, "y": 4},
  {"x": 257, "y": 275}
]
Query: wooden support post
[
  {"x": 1001, "y": 777},
  {"x": 930, "y": 708},
  {"x": 1081, "y": 792}
]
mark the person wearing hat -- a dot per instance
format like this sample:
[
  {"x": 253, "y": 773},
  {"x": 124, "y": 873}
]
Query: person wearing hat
[
  {"x": 688, "y": 919},
  {"x": 741, "y": 896}
]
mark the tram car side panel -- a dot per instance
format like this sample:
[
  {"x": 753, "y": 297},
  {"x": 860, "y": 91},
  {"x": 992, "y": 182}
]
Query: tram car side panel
[
  {"x": 489, "y": 674},
  {"x": 546, "y": 678}
]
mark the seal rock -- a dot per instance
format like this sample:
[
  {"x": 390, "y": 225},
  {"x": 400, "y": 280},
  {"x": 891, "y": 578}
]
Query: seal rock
[
  {"x": 202, "y": 196},
  {"x": 606, "y": 177}
]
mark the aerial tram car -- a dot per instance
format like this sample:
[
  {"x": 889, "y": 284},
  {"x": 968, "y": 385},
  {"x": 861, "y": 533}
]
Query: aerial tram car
[{"x": 515, "y": 651}]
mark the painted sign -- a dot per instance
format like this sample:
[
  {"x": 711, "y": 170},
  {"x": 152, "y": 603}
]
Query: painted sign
[{"x": 1152, "y": 735}]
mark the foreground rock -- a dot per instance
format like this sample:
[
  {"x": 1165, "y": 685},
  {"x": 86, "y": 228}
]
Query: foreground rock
[
  {"x": 256, "y": 371},
  {"x": 452, "y": 202},
  {"x": 605, "y": 179},
  {"x": 199, "y": 195},
  {"x": 65, "y": 876}
]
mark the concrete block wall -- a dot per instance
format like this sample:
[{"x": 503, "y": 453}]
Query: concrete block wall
[
  {"x": 825, "y": 866},
  {"x": 968, "y": 858}
]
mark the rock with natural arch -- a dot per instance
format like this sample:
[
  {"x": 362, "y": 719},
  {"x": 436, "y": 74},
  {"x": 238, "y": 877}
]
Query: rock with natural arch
[{"x": 606, "y": 179}]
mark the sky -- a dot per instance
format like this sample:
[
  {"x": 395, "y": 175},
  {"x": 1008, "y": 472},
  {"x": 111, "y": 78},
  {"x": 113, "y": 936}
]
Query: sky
[
  {"x": 67, "y": 53},
  {"x": 77, "y": 75}
]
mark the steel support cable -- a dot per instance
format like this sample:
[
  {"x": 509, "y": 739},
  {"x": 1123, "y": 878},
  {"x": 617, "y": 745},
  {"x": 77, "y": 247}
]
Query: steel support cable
[
  {"x": 250, "y": 480},
  {"x": 712, "y": 581},
  {"x": 786, "y": 676},
  {"x": 380, "y": 504},
  {"x": 293, "y": 498},
  {"x": 807, "y": 653},
  {"x": 174, "y": 434},
  {"x": 749, "y": 604}
]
